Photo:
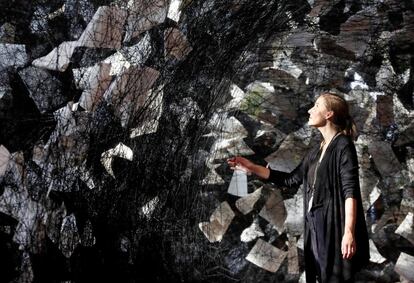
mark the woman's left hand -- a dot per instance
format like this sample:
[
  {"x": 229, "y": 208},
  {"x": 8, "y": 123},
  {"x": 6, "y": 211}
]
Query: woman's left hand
[{"x": 348, "y": 245}]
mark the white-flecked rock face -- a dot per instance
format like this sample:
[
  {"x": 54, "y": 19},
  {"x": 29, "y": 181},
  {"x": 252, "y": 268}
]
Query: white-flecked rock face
[
  {"x": 353, "y": 35},
  {"x": 7, "y": 33},
  {"x": 149, "y": 207},
  {"x": 128, "y": 92},
  {"x": 94, "y": 81},
  {"x": 404, "y": 267},
  {"x": 151, "y": 116},
  {"x": 59, "y": 58},
  {"x": 293, "y": 258},
  {"x": 28, "y": 213},
  {"x": 44, "y": 89},
  {"x": 294, "y": 218},
  {"x": 176, "y": 44},
  {"x": 274, "y": 210},
  {"x": 105, "y": 29},
  {"x": 266, "y": 256},
  {"x": 406, "y": 228},
  {"x": 174, "y": 11},
  {"x": 251, "y": 233},
  {"x": 120, "y": 150},
  {"x": 4, "y": 160},
  {"x": 384, "y": 158},
  {"x": 143, "y": 15},
  {"x": 246, "y": 204},
  {"x": 12, "y": 55},
  {"x": 69, "y": 236},
  {"x": 375, "y": 256},
  {"x": 289, "y": 155}
]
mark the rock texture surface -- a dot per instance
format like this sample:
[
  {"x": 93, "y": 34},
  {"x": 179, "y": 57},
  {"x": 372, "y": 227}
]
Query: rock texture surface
[{"x": 117, "y": 117}]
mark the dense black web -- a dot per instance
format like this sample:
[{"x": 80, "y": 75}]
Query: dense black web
[{"x": 117, "y": 117}]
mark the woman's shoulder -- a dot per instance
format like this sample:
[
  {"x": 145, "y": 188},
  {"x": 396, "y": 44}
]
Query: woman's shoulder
[{"x": 343, "y": 141}]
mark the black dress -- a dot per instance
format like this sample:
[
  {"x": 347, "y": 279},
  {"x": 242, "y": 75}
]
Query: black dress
[{"x": 336, "y": 179}]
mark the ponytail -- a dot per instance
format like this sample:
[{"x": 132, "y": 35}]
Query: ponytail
[
  {"x": 342, "y": 120},
  {"x": 350, "y": 128}
]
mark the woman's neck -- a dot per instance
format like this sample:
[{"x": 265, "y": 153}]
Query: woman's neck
[{"x": 328, "y": 133}]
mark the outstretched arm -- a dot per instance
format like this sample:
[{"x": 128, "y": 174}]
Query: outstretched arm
[
  {"x": 247, "y": 165},
  {"x": 277, "y": 177}
]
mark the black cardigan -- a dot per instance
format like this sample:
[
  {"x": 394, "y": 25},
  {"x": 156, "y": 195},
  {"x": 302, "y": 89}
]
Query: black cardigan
[{"x": 337, "y": 179}]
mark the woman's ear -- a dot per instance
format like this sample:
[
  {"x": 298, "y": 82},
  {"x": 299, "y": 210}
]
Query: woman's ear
[{"x": 329, "y": 115}]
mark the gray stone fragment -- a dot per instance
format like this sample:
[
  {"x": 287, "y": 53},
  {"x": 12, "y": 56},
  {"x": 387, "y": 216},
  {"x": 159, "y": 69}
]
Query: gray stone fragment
[
  {"x": 327, "y": 44},
  {"x": 212, "y": 178},
  {"x": 406, "y": 228},
  {"x": 148, "y": 209},
  {"x": 252, "y": 232},
  {"x": 105, "y": 30},
  {"x": 174, "y": 10},
  {"x": 220, "y": 220},
  {"x": 87, "y": 237},
  {"x": 44, "y": 89},
  {"x": 282, "y": 61},
  {"x": 384, "y": 158},
  {"x": 78, "y": 12},
  {"x": 226, "y": 127},
  {"x": 321, "y": 7},
  {"x": 404, "y": 266},
  {"x": 274, "y": 210},
  {"x": 368, "y": 179},
  {"x": 293, "y": 257},
  {"x": 59, "y": 58},
  {"x": 120, "y": 150},
  {"x": 149, "y": 120},
  {"x": 176, "y": 44},
  {"x": 26, "y": 268},
  {"x": 289, "y": 154},
  {"x": 69, "y": 236},
  {"x": 4, "y": 160},
  {"x": 266, "y": 256},
  {"x": 143, "y": 15},
  {"x": 7, "y": 33},
  {"x": 375, "y": 256},
  {"x": 246, "y": 204},
  {"x": 406, "y": 136},
  {"x": 12, "y": 55},
  {"x": 14, "y": 173},
  {"x": 185, "y": 111},
  {"x": 294, "y": 219},
  {"x": 54, "y": 223},
  {"x": 94, "y": 81},
  {"x": 355, "y": 32},
  {"x": 129, "y": 91},
  {"x": 137, "y": 54},
  {"x": 237, "y": 95},
  {"x": 39, "y": 24},
  {"x": 29, "y": 214},
  {"x": 300, "y": 39}
]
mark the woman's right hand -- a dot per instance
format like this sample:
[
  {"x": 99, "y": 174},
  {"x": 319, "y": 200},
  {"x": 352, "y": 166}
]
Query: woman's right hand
[
  {"x": 248, "y": 166},
  {"x": 241, "y": 163}
]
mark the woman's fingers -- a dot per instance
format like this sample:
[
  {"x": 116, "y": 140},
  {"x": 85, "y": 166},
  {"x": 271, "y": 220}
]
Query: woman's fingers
[{"x": 348, "y": 251}]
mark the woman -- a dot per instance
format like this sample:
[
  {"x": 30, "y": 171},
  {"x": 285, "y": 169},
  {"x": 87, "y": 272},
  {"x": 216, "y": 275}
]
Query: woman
[{"x": 336, "y": 238}]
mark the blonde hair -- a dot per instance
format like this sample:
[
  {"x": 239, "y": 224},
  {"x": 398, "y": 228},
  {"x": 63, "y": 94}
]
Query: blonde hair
[{"x": 341, "y": 118}]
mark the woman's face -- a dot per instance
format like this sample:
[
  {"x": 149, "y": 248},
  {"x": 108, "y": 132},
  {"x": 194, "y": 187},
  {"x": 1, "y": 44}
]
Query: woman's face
[{"x": 318, "y": 114}]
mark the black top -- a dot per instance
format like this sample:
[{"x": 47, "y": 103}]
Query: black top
[{"x": 336, "y": 179}]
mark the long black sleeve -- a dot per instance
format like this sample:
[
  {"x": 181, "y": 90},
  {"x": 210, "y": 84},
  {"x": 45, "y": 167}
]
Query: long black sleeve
[{"x": 294, "y": 178}]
